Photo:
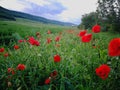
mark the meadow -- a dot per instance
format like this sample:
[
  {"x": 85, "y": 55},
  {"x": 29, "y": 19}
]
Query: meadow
[{"x": 36, "y": 56}]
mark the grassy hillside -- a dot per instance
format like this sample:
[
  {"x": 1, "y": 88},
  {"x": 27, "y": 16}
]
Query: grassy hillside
[
  {"x": 11, "y": 15},
  {"x": 21, "y": 28}
]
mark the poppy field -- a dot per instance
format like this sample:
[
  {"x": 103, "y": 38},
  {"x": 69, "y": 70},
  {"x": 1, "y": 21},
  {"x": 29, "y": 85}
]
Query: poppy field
[{"x": 59, "y": 58}]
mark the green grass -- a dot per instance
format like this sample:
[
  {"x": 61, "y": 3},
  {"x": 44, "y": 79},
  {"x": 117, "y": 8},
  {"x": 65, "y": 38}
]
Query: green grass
[
  {"x": 22, "y": 28},
  {"x": 76, "y": 70}
]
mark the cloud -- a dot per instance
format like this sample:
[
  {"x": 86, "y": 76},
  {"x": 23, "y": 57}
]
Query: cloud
[
  {"x": 62, "y": 10},
  {"x": 39, "y": 2},
  {"x": 76, "y": 8},
  {"x": 17, "y": 5},
  {"x": 40, "y": 10}
]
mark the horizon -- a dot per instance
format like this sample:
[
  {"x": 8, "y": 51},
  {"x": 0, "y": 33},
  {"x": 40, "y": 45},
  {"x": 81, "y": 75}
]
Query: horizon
[{"x": 59, "y": 10}]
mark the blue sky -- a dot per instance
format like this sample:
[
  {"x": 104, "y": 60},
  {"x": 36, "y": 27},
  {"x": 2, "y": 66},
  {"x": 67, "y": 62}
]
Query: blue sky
[{"x": 61, "y": 10}]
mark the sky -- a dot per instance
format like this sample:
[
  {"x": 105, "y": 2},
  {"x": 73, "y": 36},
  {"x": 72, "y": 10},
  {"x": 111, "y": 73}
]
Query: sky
[{"x": 60, "y": 10}]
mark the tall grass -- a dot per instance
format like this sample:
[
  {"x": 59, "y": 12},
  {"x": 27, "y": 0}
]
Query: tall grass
[{"x": 76, "y": 69}]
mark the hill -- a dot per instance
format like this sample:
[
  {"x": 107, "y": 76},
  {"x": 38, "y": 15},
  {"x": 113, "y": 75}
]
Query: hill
[{"x": 12, "y": 15}]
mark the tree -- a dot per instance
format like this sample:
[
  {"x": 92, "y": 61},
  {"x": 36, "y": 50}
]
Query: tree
[
  {"x": 88, "y": 20},
  {"x": 109, "y": 12}
]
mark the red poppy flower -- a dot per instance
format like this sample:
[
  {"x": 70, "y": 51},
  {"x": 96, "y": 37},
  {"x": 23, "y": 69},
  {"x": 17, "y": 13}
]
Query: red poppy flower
[
  {"x": 57, "y": 39},
  {"x": 48, "y": 40},
  {"x": 57, "y": 58},
  {"x": 47, "y": 81},
  {"x": 2, "y": 50},
  {"x": 36, "y": 43},
  {"x": 49, "y": 32},
  {"x": 103, "y": 71},
  {"x": 32, "y": 41},
  {"x": 54, "y": 74},
  {"x": 16, "y": 47},
  {"x": 6, "y": 55},
  {"x": 96, "y": 29},
  {"x": 114, "y": 47},
  {"x": 11, "y": 70},
  {"x": 82, "y": 33},
  {"x": 21, "y": 67},
  {"x": 86, "y": 38},
  {"x": 20, "y": 41}
]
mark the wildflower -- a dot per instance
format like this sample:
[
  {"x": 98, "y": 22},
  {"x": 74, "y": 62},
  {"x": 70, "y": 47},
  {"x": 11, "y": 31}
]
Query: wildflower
[
  {"x": 16, "y": 47},
  {"x": 11, "y": 70},
  {"x": 82, "y": 33},
  {"x": 96, "y": 29},
  {"x": 48, "y": 40},
  {"x": 57, "y": 38},
  {"x": 86, "y": 38},
  {"x": 6, "y": 55},
  {"x": 54, "y": 74},
  {"x": 20, "y": 41},
  {"x": 57, "y": 58},
  {"x": 103, "y": 71},
  {"x": 21, "y": 67},
  {"x": 49, "y": 32},
  {"x": 114, "y": 47},
  {"x": 47, "y": 81},
  {"x": 32, "y": 41},
  {"x": 2, "y": 50},
  {"x": 36, "y": 43}
]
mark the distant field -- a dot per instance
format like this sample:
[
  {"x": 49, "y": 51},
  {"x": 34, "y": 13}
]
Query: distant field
[{"x": 22, "y": 27}]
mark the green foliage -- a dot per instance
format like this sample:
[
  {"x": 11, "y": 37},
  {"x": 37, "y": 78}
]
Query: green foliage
[
  {"x": 109, "y": 12},
  {"x": 107, "y": 15},
  {"x": 22, "y": 28},
  {"x": 89, "y": 20}
]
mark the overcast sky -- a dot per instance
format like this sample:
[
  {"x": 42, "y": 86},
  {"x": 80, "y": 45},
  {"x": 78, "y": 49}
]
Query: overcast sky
[{"x": 61, "y": 10}]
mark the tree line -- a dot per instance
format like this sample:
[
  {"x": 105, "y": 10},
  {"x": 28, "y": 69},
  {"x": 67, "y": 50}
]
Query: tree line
[{"x": 107, "y": 15}]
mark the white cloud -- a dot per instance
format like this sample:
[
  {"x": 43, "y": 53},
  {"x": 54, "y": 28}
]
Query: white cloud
[
  {"x": 76, "y": 8},
  {"x": 13, "y": 4}
]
